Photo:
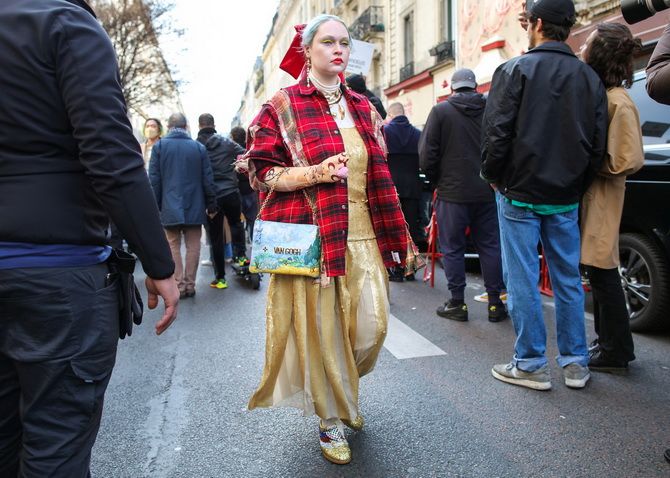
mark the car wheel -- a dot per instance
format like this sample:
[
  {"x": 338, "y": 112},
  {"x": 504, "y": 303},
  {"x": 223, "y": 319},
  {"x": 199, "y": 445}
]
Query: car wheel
[{"x": 645, "y": 278}]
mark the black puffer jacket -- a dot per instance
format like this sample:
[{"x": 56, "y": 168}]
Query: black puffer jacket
[
  {"x": 450, "y": 149},
  {"x": 222, "y": 153},
  {"x": 68, "y": 157},
  {"x": 545, "y": 126}
]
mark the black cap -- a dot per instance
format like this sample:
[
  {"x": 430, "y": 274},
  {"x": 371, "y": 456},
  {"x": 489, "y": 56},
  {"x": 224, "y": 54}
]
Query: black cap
[
  {"x": 558, "y": 12},
  {"x": 463, "y": 78}
]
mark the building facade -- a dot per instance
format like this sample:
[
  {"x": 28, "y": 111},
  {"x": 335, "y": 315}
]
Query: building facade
[{"x": 420, "y": 43}]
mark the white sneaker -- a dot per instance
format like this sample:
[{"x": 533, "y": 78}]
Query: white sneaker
[
  {"x": 485, "y": 297},
  {"x": 576, "y": 375}
]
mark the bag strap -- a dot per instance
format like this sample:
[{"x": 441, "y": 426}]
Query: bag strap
[
  {"x": 281, "y": 102},
  {"x": 272, "y": 188}
]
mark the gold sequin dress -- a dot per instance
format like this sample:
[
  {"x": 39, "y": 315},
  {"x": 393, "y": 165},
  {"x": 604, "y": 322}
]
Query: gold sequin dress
[{"x": 321, "y": 340}]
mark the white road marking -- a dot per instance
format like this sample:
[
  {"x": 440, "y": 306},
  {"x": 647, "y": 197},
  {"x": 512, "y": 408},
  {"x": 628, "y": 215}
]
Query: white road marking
[{"x": 403, "y": 342}]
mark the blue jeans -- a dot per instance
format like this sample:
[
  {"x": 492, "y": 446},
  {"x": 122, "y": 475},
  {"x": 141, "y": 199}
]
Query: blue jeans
[{"x": 520, "y": 232}]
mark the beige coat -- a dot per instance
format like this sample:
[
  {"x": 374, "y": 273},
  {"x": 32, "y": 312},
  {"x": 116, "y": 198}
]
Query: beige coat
[{"x": 602, "y": 204}]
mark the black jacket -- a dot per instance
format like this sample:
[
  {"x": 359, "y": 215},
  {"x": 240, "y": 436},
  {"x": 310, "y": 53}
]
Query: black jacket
[
  {"x": 222, "y": 154},
  {"x": 357, "y": 83},
  {"x": 450, "y": 149},
  {"x": 402, "y": 141},
  {"x": 68, "y": 157},
  {"x": 545, "y": 126}
]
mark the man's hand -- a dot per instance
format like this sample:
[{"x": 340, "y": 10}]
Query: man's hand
[{"x": 167, "y": 289}]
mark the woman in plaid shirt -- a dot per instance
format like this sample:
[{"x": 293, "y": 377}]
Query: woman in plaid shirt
[{"x": 320, "y": 137}]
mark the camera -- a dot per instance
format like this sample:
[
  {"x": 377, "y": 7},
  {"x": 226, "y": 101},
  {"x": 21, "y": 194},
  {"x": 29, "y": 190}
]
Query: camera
[{"x": 637, "y": 10}]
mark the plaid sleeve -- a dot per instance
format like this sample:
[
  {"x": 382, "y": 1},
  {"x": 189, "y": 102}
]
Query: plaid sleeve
[
  {"x": 378, "y": 128},
  {"x": 266, "y": 146}
]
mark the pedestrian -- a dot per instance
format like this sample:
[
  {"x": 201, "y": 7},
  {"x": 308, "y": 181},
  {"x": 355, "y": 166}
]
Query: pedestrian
[
  {"x": 402, "y": 142},
  {"x": 658, "y": 70},
  {"x": 543, "y": 142},
  {"x": 658, "y": 87},
  {"x": 324, "y": 335},
  {"x": 69, "y": 163},
  {"x": 357, "y": 83},
  {"x": 181, "y": 177},
  {"x": 222, "y": 153},
  {"x": 153, "y": 130},
  {"x": 249, "y": 197},
  {"x": 450, "y": 156},
  {"x": 609, "y": 50}
]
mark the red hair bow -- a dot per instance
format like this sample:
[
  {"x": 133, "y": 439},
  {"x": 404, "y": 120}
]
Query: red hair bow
[{"x": 294, "y": 59}]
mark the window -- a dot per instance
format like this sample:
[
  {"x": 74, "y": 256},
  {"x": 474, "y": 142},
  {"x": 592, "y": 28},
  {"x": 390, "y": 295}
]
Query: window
[
  {"x": 408, "y": 32},
  {"x": 654, "y": 117}
]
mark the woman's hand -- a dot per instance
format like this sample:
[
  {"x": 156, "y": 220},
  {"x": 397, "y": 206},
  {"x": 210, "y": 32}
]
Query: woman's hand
[{"x": 334, "y": 169}]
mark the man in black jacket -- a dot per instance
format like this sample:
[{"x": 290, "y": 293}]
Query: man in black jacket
[
  {"x": 402, "y": 142},
  {"x": 68, "y": 162},
  {"x": 545, "y": 130},
  {"x": 450, "y": 157},
  {"x": 222, "y": 153}
]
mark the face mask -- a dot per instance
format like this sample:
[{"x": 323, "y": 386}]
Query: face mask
[{"x": 151, "y": 133}]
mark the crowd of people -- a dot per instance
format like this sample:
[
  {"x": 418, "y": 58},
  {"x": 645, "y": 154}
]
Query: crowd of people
[{"x": 507, "y": 179}]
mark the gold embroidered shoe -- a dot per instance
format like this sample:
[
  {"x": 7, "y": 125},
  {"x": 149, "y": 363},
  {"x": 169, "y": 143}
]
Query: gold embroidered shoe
[
  {"x": 356, "y": 424},
  {"x": 334, "y": 445}
]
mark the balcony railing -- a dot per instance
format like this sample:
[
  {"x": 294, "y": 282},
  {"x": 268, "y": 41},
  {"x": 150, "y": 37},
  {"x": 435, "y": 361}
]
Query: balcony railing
[
  {"x": 407, "y": 71},
  {"x": 369, "y": 22},
  {"x": 443, "y": 51}
]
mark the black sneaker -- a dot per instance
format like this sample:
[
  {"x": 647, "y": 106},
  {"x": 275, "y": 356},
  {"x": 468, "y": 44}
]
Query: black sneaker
[
  {"x": 454, "y": 311},
  {"x": 667, "y": 455},
  {"x": 594, "y": 347},
  {"x": 599, "y": 362},
  {"x": 497, "y": 313}
]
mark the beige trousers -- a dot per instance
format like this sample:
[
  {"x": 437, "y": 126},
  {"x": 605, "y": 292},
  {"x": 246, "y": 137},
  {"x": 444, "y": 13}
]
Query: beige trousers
[{"x": 185, "y": 274}]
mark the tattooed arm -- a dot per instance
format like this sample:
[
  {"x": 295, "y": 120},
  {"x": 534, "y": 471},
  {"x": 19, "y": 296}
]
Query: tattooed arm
[{"x": 330, "y": 170}]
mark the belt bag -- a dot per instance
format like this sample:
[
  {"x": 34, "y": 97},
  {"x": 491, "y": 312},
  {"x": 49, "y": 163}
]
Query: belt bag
[
  {"x": 122, "y": 265},
  {"x": 286, "y": 248}
]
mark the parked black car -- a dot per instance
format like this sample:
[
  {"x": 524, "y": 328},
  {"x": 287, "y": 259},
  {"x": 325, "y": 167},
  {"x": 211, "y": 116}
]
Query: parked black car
[{"x": 644, "y": 245}]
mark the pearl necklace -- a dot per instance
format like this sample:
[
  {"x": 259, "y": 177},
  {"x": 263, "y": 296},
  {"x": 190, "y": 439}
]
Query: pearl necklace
[{"x": 333, "y": 95}]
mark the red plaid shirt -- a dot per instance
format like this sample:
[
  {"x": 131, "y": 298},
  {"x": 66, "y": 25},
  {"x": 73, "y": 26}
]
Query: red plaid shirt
[{"x": 321, "y": 139}]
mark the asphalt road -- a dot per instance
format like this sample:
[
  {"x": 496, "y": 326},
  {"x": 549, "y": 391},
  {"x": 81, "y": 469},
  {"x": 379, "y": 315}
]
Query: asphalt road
[{"x": 176, "y": 405}]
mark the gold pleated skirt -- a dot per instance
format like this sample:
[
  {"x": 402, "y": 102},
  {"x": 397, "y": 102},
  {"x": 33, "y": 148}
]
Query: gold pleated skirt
[{"x": 321, "y": 340}]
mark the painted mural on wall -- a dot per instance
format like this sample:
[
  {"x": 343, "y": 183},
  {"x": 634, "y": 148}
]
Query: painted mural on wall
[{"x": 481, "y": 20}]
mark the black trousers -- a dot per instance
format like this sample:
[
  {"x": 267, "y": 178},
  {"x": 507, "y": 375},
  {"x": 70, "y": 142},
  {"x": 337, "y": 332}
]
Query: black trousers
[
  {"x": 482, "y": 218},
  {"x": 229, "y": 207},
  {"x": 411, "y": 208},
  {"x": 58, "y": 336},
  {"x": 610, "y": 314}
]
